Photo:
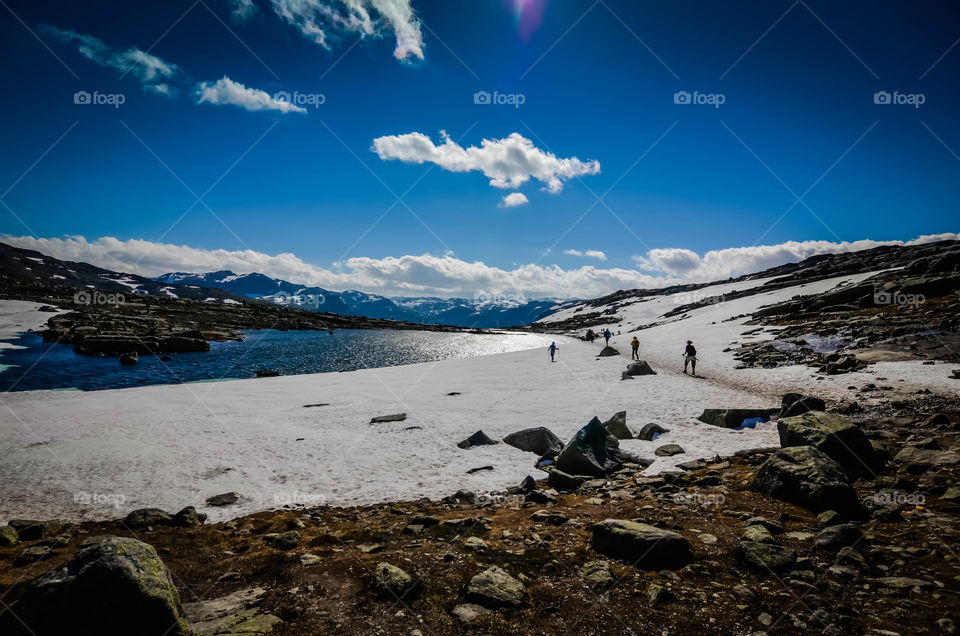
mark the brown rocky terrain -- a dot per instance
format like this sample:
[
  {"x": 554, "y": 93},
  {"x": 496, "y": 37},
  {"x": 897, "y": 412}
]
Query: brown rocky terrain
[{"x": 721, "y": 547}]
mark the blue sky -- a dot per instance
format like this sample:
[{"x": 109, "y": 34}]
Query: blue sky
[{"x": 681, "y": 183}]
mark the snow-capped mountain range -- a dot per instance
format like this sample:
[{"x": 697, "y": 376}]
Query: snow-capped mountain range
[{"x": 463, "y": 312}]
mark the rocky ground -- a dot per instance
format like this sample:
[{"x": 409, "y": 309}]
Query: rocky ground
[{"x": 851, "y": 527}]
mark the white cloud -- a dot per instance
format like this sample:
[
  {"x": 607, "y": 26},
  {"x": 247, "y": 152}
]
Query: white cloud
[
  {"x": 149, "y": 69},
  {"x": 317, "y": 19},
  {"x": 736, "y": 261},
  {"x": 513, "y": 200},
  {"x": 226, "y": 91},
  {"x": 597, "y": 254},
  {"x": 243, "y": 10},
  {"x": 509, "y": 162},
  {"x": 424, "y": 275}
]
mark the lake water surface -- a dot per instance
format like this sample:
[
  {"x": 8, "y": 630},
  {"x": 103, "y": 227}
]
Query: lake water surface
[{"x": 35, "y": 364}]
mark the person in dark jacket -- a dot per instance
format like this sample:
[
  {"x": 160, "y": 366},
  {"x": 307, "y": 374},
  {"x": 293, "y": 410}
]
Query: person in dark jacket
[
  {"x": 553, "y": 350},
  {"x": 690, "y": 357},
  {"x": 606, "y": 336}
]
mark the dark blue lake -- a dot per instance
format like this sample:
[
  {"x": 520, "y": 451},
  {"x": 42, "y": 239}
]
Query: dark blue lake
[{"x": 35, "y": 364}]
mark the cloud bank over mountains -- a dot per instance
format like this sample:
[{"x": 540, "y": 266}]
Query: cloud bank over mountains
[{"x": 445, "y": 276}]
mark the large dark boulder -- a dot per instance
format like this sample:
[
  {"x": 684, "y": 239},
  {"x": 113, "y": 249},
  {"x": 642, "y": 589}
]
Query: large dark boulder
[
  {"x": 732, "y": 418},
  {"x": 807, "y": 477},
  {"x": 116, "y": 586},
  {"x": 837, "y": 437},
  {"x": 645, "y": 546},
  {"x": 617, "y": 426},
  {"x": 796, "y": 404},
  {"x": 539, "y": 440},
  {"x": 592, "y": 451},
  {"x": 31, "y": 529},
  {"x": 608, "y": 351},
  {"x": 639, "y": 368}
]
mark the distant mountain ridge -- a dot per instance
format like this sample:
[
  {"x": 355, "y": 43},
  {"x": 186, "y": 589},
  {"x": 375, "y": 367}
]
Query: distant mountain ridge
[{"x": 463, "y": 312}]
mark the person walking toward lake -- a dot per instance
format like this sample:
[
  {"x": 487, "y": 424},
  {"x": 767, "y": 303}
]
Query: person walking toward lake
[
  {"x": 553, "y": 351},
  {"x": 690, "y": 357},
  {"x": 635, "y": 347},
  {"x": 606, "y": 336}
]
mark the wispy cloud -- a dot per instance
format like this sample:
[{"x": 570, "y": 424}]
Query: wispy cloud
[
  {"x": 165, "y": 78},
  {"x": 227, "y": 92},
  {"x": 597, "y": 254},
  {"x": 320, "y": 20},
  {"x": 508, "y": 163},
  {"x": 513, "y": 200},
  {"x": 243, "y": 10},
  {"x": 153, "y": 72}
]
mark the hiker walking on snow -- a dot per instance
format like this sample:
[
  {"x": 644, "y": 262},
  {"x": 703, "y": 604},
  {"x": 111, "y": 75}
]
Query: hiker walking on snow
[
  {"x": 606, "y": 336},
  {"x": 553, "y": 350},
  {"x": 635, "y": 346},
  {"x": 690, "y": 357}
]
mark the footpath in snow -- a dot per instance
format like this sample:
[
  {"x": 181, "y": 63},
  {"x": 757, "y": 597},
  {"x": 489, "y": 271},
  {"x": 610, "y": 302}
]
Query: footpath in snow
[{"x": 172, "y": 446}]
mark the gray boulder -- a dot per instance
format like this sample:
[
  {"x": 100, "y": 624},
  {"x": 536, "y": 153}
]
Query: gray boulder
[
  {"x": 224, "y": 499},
  {"x": 617, "y": 426},
  {"x": 116, "y": 586},
  {"x": 396, "y": 417},
  {"x": 592, "y": 451},
  {"x": 143, "y": 517},
  {"x": 669, "y": 450},
  {"x": 283, "y": 540},
  {"x": 495, "y": 588},
  {"x": 805, "y": 476},
  {"x": 608, "y": 351},
  {"x": 838, "y": 536},
  {"x": 597, "y": 574},
  {"x": 768, "y": 556},
  {"x": 392, "y": 580},
  {"x": 8, "y": 536},
  {"x": 796, "y": 404},
  {"x": 539, "y": 440},
  {"x": 649, "y": 431},
  {"x": 31, "y": 530},
  {"x": 645, "y": 546},
  {"x": 732, "y": 418},
  {"x": 477, "y": 439},
  {"x": 188, "y": 517},
  {"x": 837, "y": 437},
  {"x": 639, "y": 368},
  {"x": 565, "y": 482}
]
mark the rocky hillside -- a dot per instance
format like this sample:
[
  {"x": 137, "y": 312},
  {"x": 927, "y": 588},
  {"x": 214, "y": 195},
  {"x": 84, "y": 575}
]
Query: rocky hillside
[{"x": 904, "y": 275}]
